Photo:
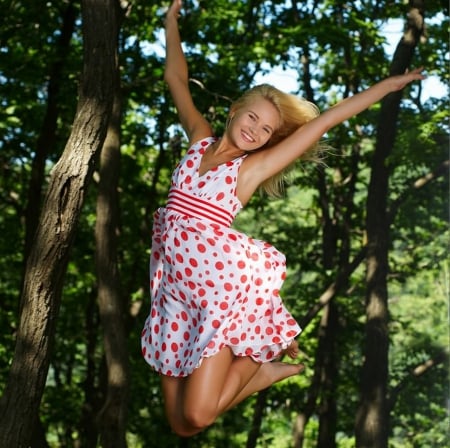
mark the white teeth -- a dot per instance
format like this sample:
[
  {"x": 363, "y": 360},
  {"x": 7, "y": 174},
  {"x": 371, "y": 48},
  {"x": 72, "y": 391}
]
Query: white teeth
[{"x": 248, "y": 136}]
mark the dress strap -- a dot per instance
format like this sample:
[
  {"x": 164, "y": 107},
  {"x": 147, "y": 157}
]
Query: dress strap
[{"x": 195, "y": 207}]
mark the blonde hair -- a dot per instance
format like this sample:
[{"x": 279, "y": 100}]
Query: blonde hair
[{"x": 294, "y": 113}]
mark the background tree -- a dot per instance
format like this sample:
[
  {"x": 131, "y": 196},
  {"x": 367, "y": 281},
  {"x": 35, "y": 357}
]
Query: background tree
[
  {"x": 49, "y": 254},
  {"x": 372, "y": 419}
]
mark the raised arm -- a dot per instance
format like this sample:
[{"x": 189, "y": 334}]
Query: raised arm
[
  {"x": 177, "y": 77},
  {"x": 280, "y": 156}
]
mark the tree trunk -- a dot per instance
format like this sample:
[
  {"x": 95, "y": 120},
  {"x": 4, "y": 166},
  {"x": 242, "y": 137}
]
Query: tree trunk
[
  {"x": 328, "y": 407},
  {"x": 49, "y": 254},
  {"x": 92, "y": 401},
  {"x": 321, "y": 392},
  {"x": 258, "y": 413},
  {"x": 372, "y": 419},
  {"x": 112, "y": 417},
  {"x": 47, "y": 137}
]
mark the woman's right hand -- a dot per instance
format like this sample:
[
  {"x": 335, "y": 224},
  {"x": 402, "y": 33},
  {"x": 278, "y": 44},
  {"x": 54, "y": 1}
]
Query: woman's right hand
[{"x": 174, "y": 9}]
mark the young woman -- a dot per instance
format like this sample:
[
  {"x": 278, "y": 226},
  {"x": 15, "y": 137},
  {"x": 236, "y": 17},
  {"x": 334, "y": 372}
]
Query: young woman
[{"x": 217, "y": 323}]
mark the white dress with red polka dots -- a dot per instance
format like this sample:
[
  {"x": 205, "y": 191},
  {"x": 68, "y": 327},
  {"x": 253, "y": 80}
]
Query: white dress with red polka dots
[{"x": 211, "y": 286}]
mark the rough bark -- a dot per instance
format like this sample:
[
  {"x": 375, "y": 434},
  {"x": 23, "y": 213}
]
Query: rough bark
[
  {"x": 49, "y": 254},
  {"x": 372, "y": 419},
  {"x": 112, "y": 417},
  {"x": 47, "y": 138}
]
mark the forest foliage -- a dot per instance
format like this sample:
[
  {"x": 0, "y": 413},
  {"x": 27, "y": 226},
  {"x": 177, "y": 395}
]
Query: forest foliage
[{"x": 331, "y": 50}]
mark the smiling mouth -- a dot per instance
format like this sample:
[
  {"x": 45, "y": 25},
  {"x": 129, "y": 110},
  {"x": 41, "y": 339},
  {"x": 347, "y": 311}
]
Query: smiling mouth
[{"x": 247, "y": 137}]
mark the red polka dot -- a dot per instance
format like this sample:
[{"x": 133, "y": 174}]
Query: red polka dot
[{"x": 211, "y": 285}]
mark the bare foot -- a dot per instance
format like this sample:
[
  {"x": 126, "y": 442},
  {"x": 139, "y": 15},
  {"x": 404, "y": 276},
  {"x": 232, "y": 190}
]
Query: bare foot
[
  {"x": 267, "y": 374},
  {"x": 276, "y": 371}
]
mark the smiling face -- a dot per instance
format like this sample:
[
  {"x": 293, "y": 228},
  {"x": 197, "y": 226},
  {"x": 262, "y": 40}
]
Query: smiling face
[{"x": 253, "y": 124}]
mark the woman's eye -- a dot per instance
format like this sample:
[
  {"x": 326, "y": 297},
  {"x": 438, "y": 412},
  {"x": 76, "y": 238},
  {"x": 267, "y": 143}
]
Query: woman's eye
[{"x": 252, "y": 117}]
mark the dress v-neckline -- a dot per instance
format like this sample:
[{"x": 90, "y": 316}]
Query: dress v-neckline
[{"x": 214, "y": 167}]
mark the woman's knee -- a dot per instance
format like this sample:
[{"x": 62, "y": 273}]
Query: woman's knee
[
  {"x": 193, "y": 421},
  {"x": 200, "y": 416}
]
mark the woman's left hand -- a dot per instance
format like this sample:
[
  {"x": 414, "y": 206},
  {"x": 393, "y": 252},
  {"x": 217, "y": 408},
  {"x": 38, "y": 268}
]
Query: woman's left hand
[{"x": 400, "y": 81}]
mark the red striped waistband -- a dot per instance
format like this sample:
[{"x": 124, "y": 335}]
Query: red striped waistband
[{"x": 195, "y": 207}]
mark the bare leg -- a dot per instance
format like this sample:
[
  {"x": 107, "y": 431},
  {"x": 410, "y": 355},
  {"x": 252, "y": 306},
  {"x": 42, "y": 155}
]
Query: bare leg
[
  {"x": 194, "y": 402},
  {"x": 173, "y": 392},
  {"x": 268, "y": 374},
  {"x": 222, "y": 381},
  {"x": 214, "y": 385}
]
